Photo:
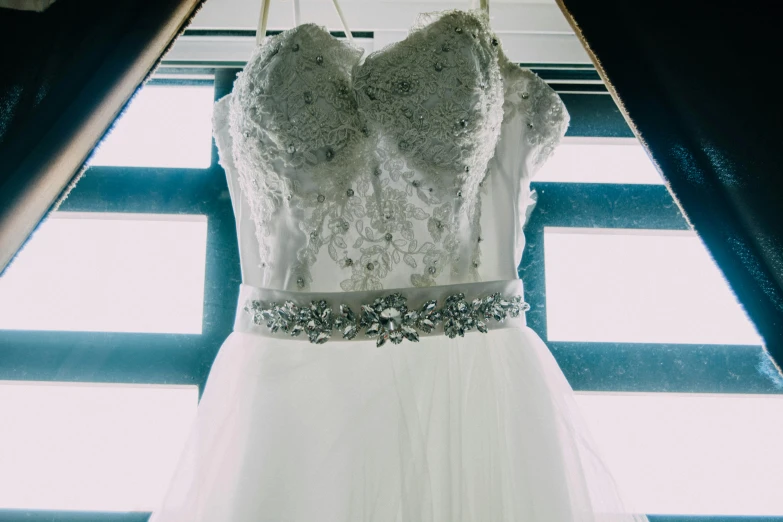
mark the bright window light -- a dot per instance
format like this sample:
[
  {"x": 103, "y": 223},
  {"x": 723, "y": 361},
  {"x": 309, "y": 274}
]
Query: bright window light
[
  {"x": 101, "y": 447},
  {"x": 646, "y": 286},
  {"x": 691, "y": 454},
  {"x": 164, "y": 126},
  {"x": 108, "y": 273},
  {"x": 600, "y": 160}
]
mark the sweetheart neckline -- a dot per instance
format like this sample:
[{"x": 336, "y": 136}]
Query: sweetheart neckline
[{"x": 477, "y": 14}]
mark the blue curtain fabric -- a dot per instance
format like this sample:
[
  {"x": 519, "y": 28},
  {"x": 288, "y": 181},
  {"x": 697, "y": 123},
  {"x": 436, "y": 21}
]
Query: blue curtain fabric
[{"x": 695, "y": 79}]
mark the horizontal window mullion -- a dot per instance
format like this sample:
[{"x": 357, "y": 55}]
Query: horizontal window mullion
[
  {"x": 152, "y": 191},
  {"x": 16, "y": 515},
  {"x": 681, "y": 368},
  {"x": 594, "y": 115},
  {"x": 107, "y": 357},
  {"x": 605, "y": 205}
]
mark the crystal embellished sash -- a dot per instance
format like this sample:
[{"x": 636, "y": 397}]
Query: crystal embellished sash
[{"x": 384, "y": 315}]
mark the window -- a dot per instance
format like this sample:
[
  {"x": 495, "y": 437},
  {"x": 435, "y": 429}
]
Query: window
[
  {"x": 109, "y": 272},
  {"x": 668, "y": 370},
  {"x": 90, "y": 447},
  {"x": 164, "y": 126},
  {"x": 112, "y": 315},
  {"x": 638, "y": 286},
  {"x": 692, "y": 453}
]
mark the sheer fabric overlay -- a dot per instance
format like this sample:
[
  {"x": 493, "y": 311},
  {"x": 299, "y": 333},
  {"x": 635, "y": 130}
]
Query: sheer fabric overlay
[{"x": 482, "y": 429}]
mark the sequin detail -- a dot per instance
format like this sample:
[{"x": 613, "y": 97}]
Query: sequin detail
[{"x": 388, "y": 318}]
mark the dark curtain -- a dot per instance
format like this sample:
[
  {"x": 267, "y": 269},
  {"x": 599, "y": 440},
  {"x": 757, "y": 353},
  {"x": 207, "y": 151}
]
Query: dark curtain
[
  {"x": 697, "y": 81},
  {"x": 65, "y": 74}
]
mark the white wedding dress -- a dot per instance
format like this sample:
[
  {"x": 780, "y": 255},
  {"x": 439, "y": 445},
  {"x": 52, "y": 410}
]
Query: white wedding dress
[{"x": 382, "y": 184}]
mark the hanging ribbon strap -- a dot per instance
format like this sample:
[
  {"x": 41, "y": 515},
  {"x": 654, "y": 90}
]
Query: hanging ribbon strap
[
  {"x": 484, "y": 5},
  {"x": 297, "y": 14},
  {"x": 263, "y": 18},
  {"x": 348, "y": 34}
]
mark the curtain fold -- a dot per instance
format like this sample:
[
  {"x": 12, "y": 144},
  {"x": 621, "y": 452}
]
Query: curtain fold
[
  {"x": 694, "y": 78},
  {"x": 65, "y": 75}
]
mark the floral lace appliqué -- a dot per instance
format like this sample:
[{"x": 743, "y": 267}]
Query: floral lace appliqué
[{"x": 379, "y": 164}]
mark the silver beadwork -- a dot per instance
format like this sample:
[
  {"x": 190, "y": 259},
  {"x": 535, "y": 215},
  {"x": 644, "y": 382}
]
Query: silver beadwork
[
  {"x": 388, "y": 318},
  {"x": 432, "y": 270},
  {"x": 349, "y": 193},
  {"x": 438, "y": 66},
  {"x": 525, "y": 96},
  {"x": 388, "y": 236},
  {"x": 370, "y": 266},
  {"x": 321, "y": 198},
  {"x": 403, "y": 86},
  {"x": 299, "y": 282},
  {"x": 308, "y": 97},
  {"x": 319, "y": 60},
  {"x": 291, "y": 149},
  {"x": 329, "y": 154}
]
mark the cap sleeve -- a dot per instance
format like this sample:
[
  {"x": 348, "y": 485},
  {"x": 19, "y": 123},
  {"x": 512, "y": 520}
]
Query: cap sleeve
[{"x": 544, "y": 115}]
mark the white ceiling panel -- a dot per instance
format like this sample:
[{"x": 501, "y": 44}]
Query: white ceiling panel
[{"x": 531, "y": 31}]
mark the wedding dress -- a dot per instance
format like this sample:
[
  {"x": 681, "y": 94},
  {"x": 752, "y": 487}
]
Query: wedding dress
[{"x": 380, "y": 369}]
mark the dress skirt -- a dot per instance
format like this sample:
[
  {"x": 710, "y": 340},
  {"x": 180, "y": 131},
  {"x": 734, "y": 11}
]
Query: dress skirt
[{"x": 480, "y": 428}]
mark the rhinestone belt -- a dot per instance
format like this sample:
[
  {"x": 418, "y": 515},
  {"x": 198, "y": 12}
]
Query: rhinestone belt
[{"x": 380, "y": 316}]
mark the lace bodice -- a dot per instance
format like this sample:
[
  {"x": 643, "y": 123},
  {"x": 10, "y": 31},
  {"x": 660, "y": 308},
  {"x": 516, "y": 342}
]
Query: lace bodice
[{"x": 408, "y": 168}]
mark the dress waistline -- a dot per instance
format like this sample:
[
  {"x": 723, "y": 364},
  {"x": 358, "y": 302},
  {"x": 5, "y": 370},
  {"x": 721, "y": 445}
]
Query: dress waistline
[{"x": 381, "y": 315}]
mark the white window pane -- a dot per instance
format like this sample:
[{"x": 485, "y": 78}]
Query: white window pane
[
  {"x": 692, "y": 454},
  {"x": 649, "y": 286},
  {"x": 109, "y": 273},
  {"x": 164, "y": 126},
  {"x": 103, "y": 447},
  {"x": 600, "y": 160}
]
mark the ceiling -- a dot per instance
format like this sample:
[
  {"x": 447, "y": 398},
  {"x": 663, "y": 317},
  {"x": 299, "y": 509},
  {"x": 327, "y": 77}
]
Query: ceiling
[{"x": 532, "y": 31}]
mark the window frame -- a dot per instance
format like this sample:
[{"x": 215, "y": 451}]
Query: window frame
[
  {"x": 187, "y": 358},
  {"x": 150, "y": 358}
]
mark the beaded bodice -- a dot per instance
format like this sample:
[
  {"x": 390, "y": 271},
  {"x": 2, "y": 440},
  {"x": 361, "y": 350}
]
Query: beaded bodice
[{"x": 377, "y": 173}]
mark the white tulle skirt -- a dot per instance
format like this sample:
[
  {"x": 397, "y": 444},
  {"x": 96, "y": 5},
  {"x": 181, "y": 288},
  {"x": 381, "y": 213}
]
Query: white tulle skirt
[{"x": 482, "y": 428}]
